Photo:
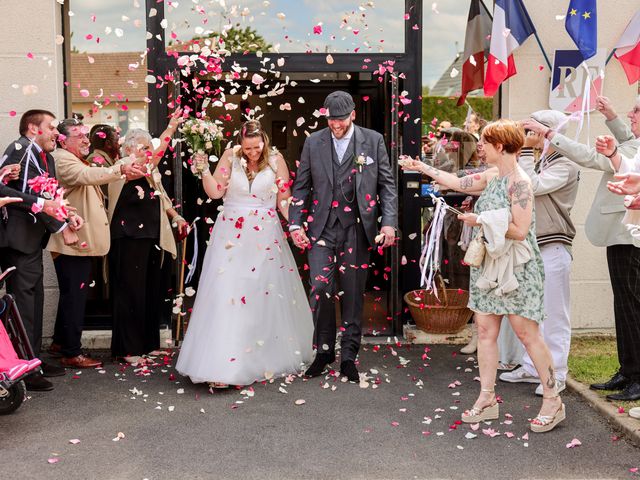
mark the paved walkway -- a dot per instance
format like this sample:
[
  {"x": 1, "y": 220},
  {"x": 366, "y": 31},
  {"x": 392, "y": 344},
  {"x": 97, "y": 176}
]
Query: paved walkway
[{"x": 401, "y": 426}]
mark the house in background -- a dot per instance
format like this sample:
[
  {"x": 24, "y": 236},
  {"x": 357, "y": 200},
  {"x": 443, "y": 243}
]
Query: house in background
[
  {"x": 110, "y": 88},
  {"x": 450, "y": 85}
]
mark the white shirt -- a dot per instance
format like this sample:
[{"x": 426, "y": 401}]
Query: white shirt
[{"x": 341, "y": 144}]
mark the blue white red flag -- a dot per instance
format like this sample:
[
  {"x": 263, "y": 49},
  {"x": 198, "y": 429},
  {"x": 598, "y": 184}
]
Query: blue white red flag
[{"x": 511, "y": 27}]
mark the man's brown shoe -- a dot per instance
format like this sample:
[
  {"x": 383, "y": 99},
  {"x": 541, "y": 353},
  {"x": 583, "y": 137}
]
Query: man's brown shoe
[{"x": 81, "y": 361}]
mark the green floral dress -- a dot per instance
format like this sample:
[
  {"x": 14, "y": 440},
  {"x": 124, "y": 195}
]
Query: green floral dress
[{"x": 527, "y": 299}]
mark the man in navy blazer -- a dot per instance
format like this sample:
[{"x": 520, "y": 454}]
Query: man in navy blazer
[{"x": 24, "y": 233}]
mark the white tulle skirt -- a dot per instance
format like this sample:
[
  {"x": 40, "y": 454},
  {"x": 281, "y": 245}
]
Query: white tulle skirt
[{"x": 251, "y": 318}]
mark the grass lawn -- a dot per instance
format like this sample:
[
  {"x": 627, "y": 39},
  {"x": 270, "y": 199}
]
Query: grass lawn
[{"x": 595, "y": 359}]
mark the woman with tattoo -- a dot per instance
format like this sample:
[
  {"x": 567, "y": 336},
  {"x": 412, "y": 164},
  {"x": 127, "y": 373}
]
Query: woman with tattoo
[{"x": 505, "y": 186}]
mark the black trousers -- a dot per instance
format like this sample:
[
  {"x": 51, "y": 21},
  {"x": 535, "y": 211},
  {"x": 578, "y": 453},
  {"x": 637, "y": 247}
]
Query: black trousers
[
  {"x": 624, "y": 270},
  {"x": 73, "y": 281},
  {"x": 135, "y": 277},
  {"x": 338, "y": 259},
  {"x": 26, "y": 285}
]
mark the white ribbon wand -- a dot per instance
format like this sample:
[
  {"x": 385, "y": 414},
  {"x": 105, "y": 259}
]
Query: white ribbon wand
[{"x": 430, "y": 258}]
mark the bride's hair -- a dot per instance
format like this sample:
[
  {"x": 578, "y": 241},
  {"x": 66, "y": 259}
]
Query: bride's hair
[{"x": 252, "y": 129}]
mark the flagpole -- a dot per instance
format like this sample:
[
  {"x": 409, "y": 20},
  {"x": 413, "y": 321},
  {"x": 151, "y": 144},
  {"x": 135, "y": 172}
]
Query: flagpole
[
  {"x": 486, "y": 10},
  {"x": 610, "y": 55},
  {"x": 542, "y": 49}
]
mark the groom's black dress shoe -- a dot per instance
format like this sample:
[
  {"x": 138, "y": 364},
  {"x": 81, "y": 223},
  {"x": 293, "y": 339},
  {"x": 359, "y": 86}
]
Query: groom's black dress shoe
[
  {"x": 349, "y": 370},
  {"x": 617, "y": 382},
  {"x": 319, "y": 364},
  {"x": 630, "y": 394}
]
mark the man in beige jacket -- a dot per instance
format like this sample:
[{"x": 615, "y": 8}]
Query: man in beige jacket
[
  {"x": 81, "y": 182},
  {"x": 604, "y": 228}
]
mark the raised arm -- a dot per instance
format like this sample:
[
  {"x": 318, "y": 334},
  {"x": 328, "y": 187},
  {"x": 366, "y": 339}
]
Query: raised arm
[
  {"x": 548, "y": 181},
  {"x": 576, "y": 152},
  {"x": 73, "y": 173},
  {"x": 216, "y": 185},
  {"x": 472, "y": 184},
  {"x": 167, "y": 135}
]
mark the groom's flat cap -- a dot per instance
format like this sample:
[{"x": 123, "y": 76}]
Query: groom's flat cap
[{"x": 339, "y": 105}]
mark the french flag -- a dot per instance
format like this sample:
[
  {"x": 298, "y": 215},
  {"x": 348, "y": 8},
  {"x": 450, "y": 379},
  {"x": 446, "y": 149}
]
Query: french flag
[
  {"x": 511, "y": 27},
  {"x": 628, "y": 50}
]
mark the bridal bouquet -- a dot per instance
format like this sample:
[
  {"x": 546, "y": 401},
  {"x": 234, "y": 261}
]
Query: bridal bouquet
[{"x": 203, "y": 137}]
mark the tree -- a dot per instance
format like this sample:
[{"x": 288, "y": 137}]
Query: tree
[
  {"x": 444, "y": 108},
  {"x": 237, "y": 40}
]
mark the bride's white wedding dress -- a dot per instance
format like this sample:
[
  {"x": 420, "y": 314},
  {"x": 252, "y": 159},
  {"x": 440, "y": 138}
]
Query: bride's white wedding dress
[{"x": 251, "y": 318}]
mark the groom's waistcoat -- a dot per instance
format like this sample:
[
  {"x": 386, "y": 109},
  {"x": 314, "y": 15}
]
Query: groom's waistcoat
[{"x": 344, "y": 187}]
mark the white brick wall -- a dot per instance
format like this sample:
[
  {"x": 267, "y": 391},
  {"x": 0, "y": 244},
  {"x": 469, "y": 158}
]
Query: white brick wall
[
  {"x": 592, "y": 300},
  {"x": 19, "y": 36}
]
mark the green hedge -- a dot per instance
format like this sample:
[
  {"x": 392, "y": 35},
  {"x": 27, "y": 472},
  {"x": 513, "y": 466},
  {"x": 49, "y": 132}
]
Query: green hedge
[{"x": 444, "y": 108}]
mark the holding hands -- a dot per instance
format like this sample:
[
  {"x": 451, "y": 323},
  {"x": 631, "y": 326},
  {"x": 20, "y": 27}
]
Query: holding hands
[{"x": 300, "y": 238}]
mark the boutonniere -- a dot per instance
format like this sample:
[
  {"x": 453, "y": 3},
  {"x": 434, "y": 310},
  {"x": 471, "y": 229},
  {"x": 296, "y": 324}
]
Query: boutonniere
[{"x": 360, "y": 161}]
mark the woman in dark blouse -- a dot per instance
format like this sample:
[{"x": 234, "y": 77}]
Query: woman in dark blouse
[{"x": 142, "y": 217}]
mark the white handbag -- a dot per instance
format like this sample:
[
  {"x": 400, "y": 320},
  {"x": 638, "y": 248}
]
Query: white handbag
[{"x": 476, "y": 250}]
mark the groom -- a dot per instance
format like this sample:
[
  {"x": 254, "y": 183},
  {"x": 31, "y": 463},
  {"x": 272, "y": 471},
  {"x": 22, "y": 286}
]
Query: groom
[{"x": 343, "y": 184}]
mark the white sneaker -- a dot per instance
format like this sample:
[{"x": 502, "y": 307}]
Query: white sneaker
[
  {"x": 519, "y": 375},
  {"x": 560, "y": 386},
  {"x": 634, "y": 412}
]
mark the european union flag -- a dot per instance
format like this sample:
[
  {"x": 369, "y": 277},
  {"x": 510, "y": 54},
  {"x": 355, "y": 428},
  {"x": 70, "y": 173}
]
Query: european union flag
[{"x": 582, "y": 25}]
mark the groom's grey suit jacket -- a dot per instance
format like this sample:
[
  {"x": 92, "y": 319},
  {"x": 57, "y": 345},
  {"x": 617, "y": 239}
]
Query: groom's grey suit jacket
[{"x": 374, "y": 182}]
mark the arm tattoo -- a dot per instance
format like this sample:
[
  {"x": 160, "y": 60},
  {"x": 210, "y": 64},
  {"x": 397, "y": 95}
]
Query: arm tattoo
[
  {"x": 434, "y": 171},
  {"x": 466, "y": 182},
  {"x": 520, "y": 192}
]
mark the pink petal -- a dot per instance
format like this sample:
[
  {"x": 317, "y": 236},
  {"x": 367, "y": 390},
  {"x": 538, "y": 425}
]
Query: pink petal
[{"x": 574, "y": 443}]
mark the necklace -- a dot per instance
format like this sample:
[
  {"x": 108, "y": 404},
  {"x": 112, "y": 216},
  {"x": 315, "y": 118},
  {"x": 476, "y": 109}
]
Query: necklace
[{"x": 509, "y": 172}]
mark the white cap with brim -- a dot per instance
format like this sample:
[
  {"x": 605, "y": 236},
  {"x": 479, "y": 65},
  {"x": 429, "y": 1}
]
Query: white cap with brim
[{"x": 555, "y": 120}]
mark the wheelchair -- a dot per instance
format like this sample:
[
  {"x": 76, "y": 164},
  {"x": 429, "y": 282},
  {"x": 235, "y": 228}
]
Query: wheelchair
[{"x": 12, "y": 387}]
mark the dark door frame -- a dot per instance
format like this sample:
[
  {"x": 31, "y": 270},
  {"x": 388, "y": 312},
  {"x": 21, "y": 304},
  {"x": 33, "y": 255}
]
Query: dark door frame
[{"x": 409, "y": 62}]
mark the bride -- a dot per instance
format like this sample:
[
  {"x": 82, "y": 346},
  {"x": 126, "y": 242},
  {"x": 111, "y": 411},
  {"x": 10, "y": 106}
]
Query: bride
[{"x": 251, "y": 320}]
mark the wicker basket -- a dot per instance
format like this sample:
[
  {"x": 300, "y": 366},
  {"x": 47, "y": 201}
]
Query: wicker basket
[{"x": 448, "y": 315}]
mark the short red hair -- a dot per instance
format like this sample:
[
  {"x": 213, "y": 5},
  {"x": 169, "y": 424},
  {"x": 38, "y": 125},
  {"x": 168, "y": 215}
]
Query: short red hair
[{"x": 504, "y": 132}]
